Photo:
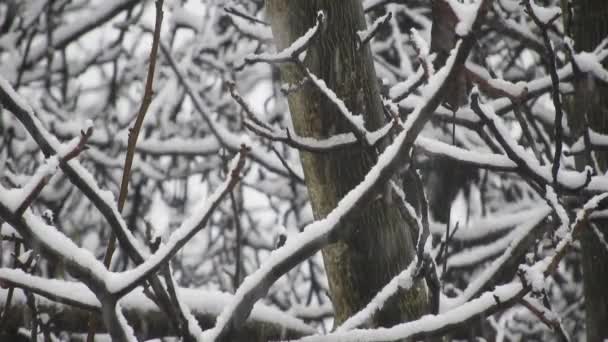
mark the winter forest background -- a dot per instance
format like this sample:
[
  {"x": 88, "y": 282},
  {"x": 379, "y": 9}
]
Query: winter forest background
[{"x": 323, "y": 170}]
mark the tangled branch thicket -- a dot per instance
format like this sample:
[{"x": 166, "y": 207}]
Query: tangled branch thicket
[{"x": 163, "y": 132}]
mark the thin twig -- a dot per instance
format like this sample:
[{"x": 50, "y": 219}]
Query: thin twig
[
  {"x": 555, "y": 94},
  {"x": 292, "y": 173},
  {"x": 235, "y": 12},
  {"x": 529, "y": 172},
  {"x": 544, "y": 315},
  {"x": 183, "y": 327},
  {"x": 237, "y": 247},
  {"x": 132, "y": 142},
  {"x": 527, "y": 133},
  {"x": 139, "y": 120}
]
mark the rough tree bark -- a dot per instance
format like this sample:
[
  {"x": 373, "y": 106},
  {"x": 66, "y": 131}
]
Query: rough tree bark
[
  {"x": 380, "y": 245},
  {"x": 147, "y": 320},
  {"x": 589, "y": 27}
]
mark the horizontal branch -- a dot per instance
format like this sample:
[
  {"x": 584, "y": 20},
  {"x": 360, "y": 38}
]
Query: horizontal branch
[{"x": 265, "y": 323}]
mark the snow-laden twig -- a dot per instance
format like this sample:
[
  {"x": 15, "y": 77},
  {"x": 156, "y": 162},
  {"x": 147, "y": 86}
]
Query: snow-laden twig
[
  {"x": 543, "y": 17},
  {"x": 54, "y": 245},
  {"x": 69, "y": 293},
  {"x": 248, "y": 24},
  {"x": 479, "y": 159},
  {"x": 366, "y": 35},
  {"x": 423, "y": 50},
  {"x": 528, "y": 166},
  {"x": 546, "y": 316},
  {"x": 293, "y": 51},
  {"x": 550, "y": 263},
  {"x": 401, "y": 282},
  {"x": 25, "y": 196},
  {"x": 495, "y": 86},
  {"x": 122, "y": 283},
  {"x": 517, "y": 240},
  {"x": 356, "y": 122},
  {"x": 403, "y": 89},
  {"x": 476, "y": 255},
  {"x": 63, "y": 296}
]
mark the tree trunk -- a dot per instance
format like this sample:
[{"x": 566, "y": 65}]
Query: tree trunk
[
  {"x": 380, "y": 245},
  {"x": 589, "y": 28}
]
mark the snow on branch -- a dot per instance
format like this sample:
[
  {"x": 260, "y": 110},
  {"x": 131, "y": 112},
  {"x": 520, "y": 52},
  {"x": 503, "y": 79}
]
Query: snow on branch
[
  {"x": 495, "y": 86},
  {"x": 71, "y": 302},
  {"x": 120, "y": 284},
  {"x": 69, "y": 293},
  {"x": 53, "y": 244},
  {"x": 431, "y": 146},
  {"x": 256, "y": 125},
  {"x": 426, "y": 69},
  {"x": 345, "y": 140},
  {"x": 403, "y": 89},
  {"x": 549, "y": 264},
  {"x": 78, "y": 175},
  {"x": 476, "y": 255},
  {"x": 528, "y": 165},
  {"x": 401, "y": 282},
  {"x": 366, "y": 35},
  {"x": 423, "y": 50},
  {"x": 293, "y": 51},
  {"x": 356, "y": 122},
  {"x": 479, "y": 159},
  {"x": 516, "y": 247},
  {"x": 598, "y": 141}
]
